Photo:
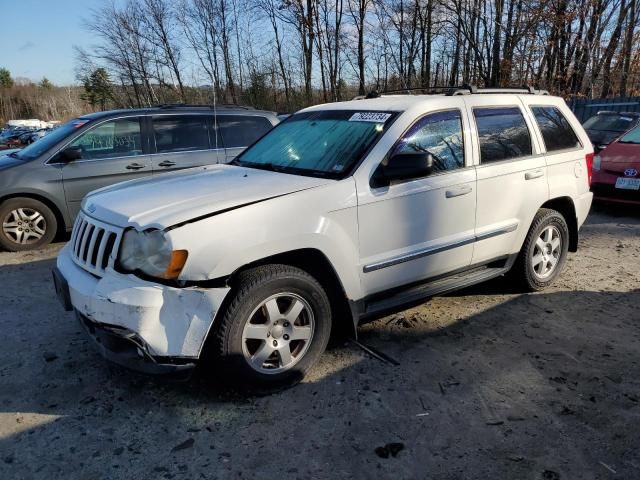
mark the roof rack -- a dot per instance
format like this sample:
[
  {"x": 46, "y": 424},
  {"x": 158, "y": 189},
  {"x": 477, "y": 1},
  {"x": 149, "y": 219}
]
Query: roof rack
[
  {"x": 187, "y": 105},
  {"x": 458, "y": 90}
]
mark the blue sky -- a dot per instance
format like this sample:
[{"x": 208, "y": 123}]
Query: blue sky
[{"x": 37, "y": 37}]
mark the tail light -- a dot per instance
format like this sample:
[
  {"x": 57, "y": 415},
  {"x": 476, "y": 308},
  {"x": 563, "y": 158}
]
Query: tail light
[{"x": 589, "y": 159}]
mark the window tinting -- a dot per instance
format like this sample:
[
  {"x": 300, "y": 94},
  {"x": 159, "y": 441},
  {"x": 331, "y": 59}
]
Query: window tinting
[
  {"x": 180, "y": 133},
  {"x": 242, "y": 131},
  {"x": 439, "y": 134},
  {"x": 116, "y": 138},
  {"x": 555, "y": 129},
  {"x": 503, "y": 134}
]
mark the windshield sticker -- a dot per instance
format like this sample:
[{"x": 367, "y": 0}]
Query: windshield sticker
[{"x": 374, "y": 117}]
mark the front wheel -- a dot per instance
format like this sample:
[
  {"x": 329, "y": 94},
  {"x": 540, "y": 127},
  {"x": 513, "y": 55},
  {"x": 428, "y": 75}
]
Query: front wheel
[
  {"x": 26, "y": 224},
  {"x": 544, "y": 252},
  {"x": 275, "y": 327}
]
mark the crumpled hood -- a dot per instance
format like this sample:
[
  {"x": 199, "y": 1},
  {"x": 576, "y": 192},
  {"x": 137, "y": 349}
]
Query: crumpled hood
[{"x": 173, "y": 198}]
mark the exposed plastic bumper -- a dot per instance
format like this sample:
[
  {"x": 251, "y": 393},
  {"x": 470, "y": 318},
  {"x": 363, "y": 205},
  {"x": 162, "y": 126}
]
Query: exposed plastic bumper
[
  {"x": 583, "y": 205},
  {"x": 168, "y": 322}
]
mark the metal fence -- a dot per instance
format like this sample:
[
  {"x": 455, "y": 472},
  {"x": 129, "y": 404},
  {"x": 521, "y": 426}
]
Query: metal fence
[{"x": 585, "y": 108}]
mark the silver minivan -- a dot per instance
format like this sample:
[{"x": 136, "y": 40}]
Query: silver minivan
[{"x": 41, "y": 186}]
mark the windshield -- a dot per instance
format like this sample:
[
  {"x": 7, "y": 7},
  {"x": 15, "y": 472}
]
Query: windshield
[
  {"x": 610, "y": 123},
  {"x": 632, "y": 137},
  {"x": 325, "y": 143},
  {"x": 40, "y": 146}
]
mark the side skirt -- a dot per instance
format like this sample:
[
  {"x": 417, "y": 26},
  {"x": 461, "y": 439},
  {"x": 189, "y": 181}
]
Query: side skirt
[{"x": 384, "y": 303}]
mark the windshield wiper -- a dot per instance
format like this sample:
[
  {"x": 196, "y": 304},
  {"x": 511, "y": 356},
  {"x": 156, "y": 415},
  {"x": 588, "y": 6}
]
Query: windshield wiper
[{"x": 13, "y": 155}]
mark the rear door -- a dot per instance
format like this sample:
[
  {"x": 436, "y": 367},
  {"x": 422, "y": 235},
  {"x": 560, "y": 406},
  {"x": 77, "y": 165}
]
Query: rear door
[
  {"x": 240, "y": 131},
  {"x": 511, "y": 175},
  {"x": 112, "y": 152},
  {"x": 182, "y": 141}
]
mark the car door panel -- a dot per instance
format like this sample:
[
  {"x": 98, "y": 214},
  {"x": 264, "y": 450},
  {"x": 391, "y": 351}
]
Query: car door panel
[
  {"x": 182, "y": 141},
  {"x": 509, "y": 192},
  {"x": 407, "y": 233}
]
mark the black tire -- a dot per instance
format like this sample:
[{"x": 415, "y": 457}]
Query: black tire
[
  {"x": 523, "y": 270},
  {"x": 252, "y": 289},
  {"x": 48, "y": 224}
]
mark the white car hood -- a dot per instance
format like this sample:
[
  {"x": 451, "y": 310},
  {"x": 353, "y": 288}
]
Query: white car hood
[{"x": 174, "y": 198}]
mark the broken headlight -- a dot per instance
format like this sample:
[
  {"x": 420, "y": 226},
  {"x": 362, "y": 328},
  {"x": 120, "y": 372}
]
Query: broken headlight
[{"x": 150, "y": 252}]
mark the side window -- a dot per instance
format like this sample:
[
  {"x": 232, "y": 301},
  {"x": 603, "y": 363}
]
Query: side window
[
  {"x": 503, "y": 134},
  {"x": 180, "y": 133},
  {"x": 439, "y": 134},
  {"x": 241, "y": 131},
  {"x": 115, "y": 138},
  {"x": 556, "y": 130}
]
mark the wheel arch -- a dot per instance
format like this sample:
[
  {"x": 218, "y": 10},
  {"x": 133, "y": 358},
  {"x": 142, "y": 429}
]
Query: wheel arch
[
  {"x": 53, "y": 206},
  {"x": 566, "y": 207},
  {"x": 318, "y": 265}
]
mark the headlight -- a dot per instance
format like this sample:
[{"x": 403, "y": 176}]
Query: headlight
[
  {"x": 596, "y": 163},
  {"x": 150, "y": 252}
]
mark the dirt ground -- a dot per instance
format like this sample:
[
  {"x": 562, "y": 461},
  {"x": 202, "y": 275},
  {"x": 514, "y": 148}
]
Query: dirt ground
[{"x": 490, "y": 384}]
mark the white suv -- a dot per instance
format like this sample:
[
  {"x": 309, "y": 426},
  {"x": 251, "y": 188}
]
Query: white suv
[{"x": 342, "y": 213}]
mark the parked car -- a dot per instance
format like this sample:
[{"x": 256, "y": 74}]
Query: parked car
[
  {"x": 12, "y": 136},
  {"x": 41, "y": 186},
  {"x": 604, "y": 127},
  {"x": 616, "y": 170},
  {"x": 36, "y": 135},
  {"x": 342, "y": 213}
]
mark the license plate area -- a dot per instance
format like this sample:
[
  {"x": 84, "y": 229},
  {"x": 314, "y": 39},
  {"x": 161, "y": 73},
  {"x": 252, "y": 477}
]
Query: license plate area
[{"x": 628, "y": 183}]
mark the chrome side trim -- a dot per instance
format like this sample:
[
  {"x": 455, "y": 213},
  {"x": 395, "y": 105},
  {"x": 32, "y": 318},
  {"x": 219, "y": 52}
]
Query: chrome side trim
[{"x": 424, "y": 252}]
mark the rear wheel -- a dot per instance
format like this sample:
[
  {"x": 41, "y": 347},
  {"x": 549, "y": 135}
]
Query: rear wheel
[
  {"x": 274, "y": 329},
  {"x": 544, "y": 252},
  {"x": 26, "y": 224}
]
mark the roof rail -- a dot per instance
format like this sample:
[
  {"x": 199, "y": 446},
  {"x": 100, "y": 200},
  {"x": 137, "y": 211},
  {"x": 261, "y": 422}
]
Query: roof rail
[
  {"x": 457, "y": 90},
  {"x": 187, "y": 105},
  {"x": 474, "y": 90}
]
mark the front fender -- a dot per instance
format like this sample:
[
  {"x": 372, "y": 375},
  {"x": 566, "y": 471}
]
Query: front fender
[{"x": 323, "y": 218}]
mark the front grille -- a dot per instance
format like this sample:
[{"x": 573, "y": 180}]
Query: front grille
[{"x": 94, "y": 244}]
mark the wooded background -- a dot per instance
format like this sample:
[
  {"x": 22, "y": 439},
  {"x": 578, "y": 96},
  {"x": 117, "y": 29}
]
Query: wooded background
[{"x": 283, "y": 55}]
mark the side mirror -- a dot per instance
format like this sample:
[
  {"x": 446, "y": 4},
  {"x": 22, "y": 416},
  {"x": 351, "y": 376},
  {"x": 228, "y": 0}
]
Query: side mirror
[
  {"x": 70, "y": 154},
  {"x": 403, "y": 166}
]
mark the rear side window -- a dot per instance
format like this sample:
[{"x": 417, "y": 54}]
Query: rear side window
[
  {"x": 241, "y": 131},
  {"x": 503, "y": 134},
  {"x": 180, "y": 133},
  {"x": 556, "y": 131}
]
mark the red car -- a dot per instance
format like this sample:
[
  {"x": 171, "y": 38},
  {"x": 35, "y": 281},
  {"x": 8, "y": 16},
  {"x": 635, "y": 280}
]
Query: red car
[{"x": 616, "y": 170}]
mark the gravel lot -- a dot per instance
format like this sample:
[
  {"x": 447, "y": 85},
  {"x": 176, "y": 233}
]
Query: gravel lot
[{"x": 491, "y": 384}]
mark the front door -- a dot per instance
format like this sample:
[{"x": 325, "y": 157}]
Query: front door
[
  {"x": 512, "y": 176},
  {"x": 414, "y": 230},
  {"x": 111, "y": 153}
]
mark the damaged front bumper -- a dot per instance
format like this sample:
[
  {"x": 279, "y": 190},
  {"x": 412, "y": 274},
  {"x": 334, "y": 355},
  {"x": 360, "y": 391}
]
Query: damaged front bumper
[{"x": 138, "y": 324}]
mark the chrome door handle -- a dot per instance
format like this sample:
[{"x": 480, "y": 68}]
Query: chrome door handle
[
  {"x": 167, "y": 163},
  {"x": 134, "y": 166},
  {"x": 458, "y": 192},
  {"x": 534, "y": 174}
]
